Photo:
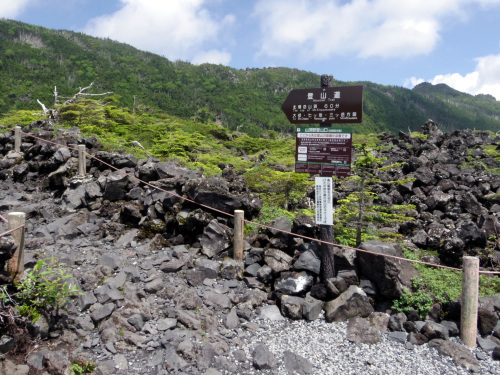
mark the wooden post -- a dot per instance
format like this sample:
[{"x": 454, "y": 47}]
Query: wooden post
[
  {"x": 326, "y": 231},
  {"x": 470, "y": 298},
  {"x": 17, "y": 139},
  {"x": 82, "y": 162},
  {"x": 239, "y": 225},
  {"x": 15, "y": 266}
]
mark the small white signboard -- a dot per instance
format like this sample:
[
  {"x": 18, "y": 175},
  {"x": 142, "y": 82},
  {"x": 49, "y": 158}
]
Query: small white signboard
[{"x": 324, "y": 201}]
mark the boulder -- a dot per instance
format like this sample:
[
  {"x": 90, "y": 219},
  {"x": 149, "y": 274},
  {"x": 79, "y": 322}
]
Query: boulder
[
  {"x": 390, "y": 275},
  {"x": 461, "y": 355},
  {"x": 292, "y": 307},
  {"x": 277, "y": 260},
  {"x": 215, "y": 239},
  {"x": 359, "y": 330},
  {"x": 114, "y": 186},
  {"x": 296, "y": 364},
  {"x": 263, "y": 358},
  {"x": 308, "y": 261},
  {"x": 486, "y": 321},
  {"x": 293, "y": 282},
  {"x": 353, "y": 302}
]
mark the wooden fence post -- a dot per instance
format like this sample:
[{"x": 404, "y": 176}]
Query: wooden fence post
[
  {"x": 15, "y": 266},
  {"x": 470, "y": 300},
  {"x": 17, "y": 139},
  {"x": 82, "y": 162},
  {"x": 238, "y": 235}
]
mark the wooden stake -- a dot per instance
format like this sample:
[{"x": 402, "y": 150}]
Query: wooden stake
[
  {"x": 17, "y": 139},
  {"x": 470, "y": 295},
  {"x": 82, "y": 162},
  {"x": 15, "y": 265},
  {"x": 238, "y": 235}
]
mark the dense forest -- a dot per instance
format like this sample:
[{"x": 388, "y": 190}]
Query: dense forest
[{"x": 34, "y": 60}]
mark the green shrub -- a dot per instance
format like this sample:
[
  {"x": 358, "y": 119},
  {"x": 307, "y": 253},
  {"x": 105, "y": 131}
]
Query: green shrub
[
  {"x": 44, "y": 289},
  {"x": 81, "y": 368},
  {"x": 439, "y": 285},
  {"x": 416, "y": 299}
]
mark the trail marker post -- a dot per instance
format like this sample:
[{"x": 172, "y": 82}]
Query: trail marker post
[
  {"x": 323, "y": 150},
  {"x": 82, "y": 162},
  {"x": 470, "y": 301},
  {"x": 17, "y": 139},
  {"x": 326, "y": 230},
  {"x": 15, "y": 265},
  {"x": 239, "y": 224}
]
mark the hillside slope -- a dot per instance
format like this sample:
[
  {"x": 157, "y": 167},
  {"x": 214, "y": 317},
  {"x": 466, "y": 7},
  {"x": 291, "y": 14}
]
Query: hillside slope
[{"x": 34, "y": 59}]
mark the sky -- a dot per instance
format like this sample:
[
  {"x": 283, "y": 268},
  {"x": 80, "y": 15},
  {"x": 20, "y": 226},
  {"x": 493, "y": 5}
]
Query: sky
[{"x": 389, "y": 42}]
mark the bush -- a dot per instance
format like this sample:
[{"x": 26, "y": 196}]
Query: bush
[
  {"x": 416, "y": 299},
  {"x": 43, "y": 290}
]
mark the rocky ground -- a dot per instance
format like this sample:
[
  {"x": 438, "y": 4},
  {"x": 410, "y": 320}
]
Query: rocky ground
[{"x": 161, "y": 295}]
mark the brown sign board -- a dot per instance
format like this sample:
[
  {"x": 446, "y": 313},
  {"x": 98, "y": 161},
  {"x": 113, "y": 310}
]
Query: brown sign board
[
  {"x": 328, "y": 105},
  {"x": 324, "y": 151}
]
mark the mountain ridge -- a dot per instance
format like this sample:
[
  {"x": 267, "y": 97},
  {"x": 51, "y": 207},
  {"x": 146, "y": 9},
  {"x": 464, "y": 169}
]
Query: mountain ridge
[{"x": 34, "y": 59}]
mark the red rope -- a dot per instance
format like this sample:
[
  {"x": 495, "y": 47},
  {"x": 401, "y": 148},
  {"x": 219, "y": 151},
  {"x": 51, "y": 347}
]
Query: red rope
[{"x": 10, "y": 231}]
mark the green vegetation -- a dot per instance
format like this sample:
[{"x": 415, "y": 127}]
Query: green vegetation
[
  {"x": 438, "y": 285},
  {"x": 82, "y": 368},
  {"x": 281, "y": 188},
  {"x": 416, "y": 299},
  {"x": 473, "y": 163},
  {"x": 246, "y": 100},
  {"x": 359, "y": 216},
  {"x": 43, "y": 290}
]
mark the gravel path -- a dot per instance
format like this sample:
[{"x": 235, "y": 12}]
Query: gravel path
[{"x": 325, "y": 345}]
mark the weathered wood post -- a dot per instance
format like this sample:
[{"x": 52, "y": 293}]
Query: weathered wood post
[
  {"x": 470, "y": 298},
  {"x": 82, "y": 163},
  {"x": 15, "y": 265},
  {"x": 17, "y": 139},
  {"x": 326, "y": 231},
  {"x": 239, "y": 225}
]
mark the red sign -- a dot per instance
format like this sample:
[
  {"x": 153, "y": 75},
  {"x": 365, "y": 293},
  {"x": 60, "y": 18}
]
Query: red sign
[{"x": 329, "y": 105}]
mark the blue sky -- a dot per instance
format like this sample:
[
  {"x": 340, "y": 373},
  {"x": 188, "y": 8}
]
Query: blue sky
[{"x": 390, "y": 42}]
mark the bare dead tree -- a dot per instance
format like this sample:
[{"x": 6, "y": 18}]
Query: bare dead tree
[{"x": 53, "y": 113}]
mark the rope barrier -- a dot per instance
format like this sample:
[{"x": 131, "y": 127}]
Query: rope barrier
[
  {"x": 4, "y": 219},
  {"x": 10, "y": 231},
  {"x": 259, "y": 224}
]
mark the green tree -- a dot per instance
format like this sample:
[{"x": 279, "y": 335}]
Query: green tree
[
  {"x": 358, "y": 211},
  {"x": 283, "y": 188}
]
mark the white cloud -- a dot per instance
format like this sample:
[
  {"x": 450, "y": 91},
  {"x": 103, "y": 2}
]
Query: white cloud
[
  {"x": 485, "y": 79},
  {"x": 213, "y": 56},
  {"x": 176, "y": 29},
  {"x": 386, "y": 28},
  {"x": 412, "y": 82},
  {"x": 12, "y": 8}
]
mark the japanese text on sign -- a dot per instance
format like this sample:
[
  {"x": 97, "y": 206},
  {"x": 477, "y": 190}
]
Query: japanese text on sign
[
  {"x": 323, "y": 150},
  {"x": 324, "y": 201},
  {"x": 325, "y": 105}
]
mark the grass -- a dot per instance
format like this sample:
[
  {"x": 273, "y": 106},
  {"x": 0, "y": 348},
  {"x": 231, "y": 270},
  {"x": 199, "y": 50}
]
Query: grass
[{"x": 439, "y": 285}]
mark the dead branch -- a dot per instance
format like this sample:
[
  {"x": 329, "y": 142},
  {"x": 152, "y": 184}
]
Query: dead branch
[
  {"x": 81, "y": 92},
  {"x": 53, "y": 112},
  {"x": 45, "y": 110}
]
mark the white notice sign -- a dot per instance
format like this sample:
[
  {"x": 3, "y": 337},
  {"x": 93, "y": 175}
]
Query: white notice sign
[{"x": 324, "y": 201}]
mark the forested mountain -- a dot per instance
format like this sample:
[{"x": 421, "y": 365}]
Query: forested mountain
[{"x": 33, "y": 60}]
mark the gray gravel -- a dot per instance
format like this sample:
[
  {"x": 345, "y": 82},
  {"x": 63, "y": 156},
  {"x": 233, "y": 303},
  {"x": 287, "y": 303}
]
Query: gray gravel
[{"x": 325, "y": 345}]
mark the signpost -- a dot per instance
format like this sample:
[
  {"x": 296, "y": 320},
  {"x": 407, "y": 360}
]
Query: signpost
[
  {"x": 327, "y": 105},
  {"x": 324, "y": 150}
]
